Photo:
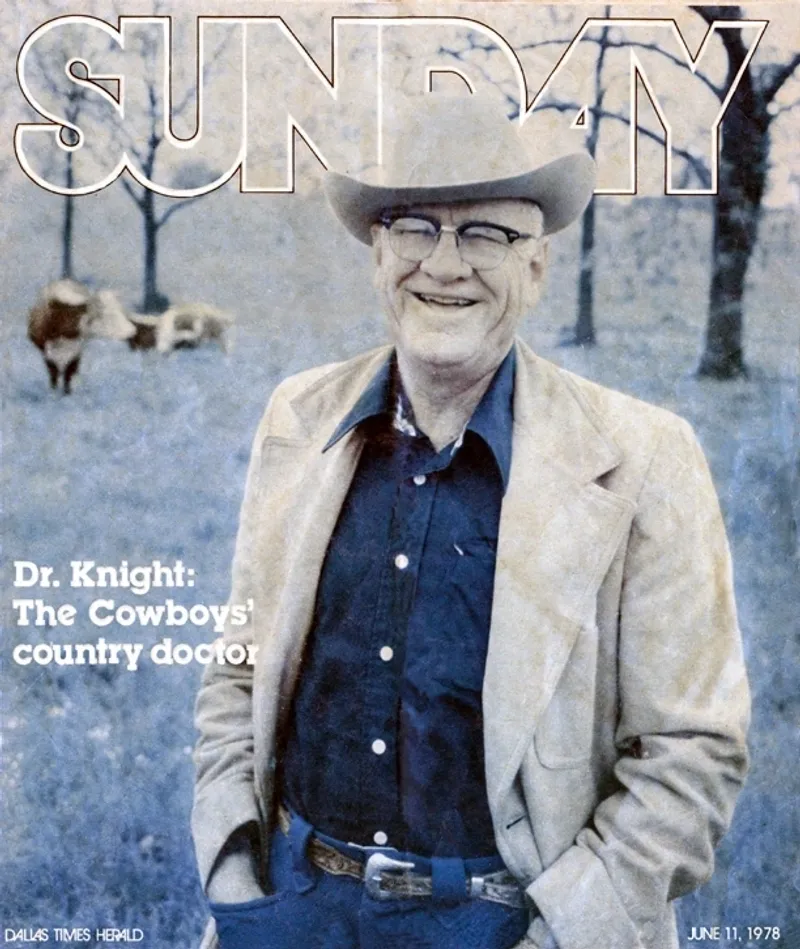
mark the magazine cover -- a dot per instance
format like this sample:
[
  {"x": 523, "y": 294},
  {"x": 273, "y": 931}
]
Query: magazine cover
[{"x": 168, "y": 255}]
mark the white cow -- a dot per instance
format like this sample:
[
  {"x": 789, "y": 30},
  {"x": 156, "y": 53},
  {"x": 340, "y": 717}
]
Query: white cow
[{"x": 188, "y": 325}]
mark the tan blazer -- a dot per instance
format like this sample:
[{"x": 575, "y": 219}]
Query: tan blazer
[{"x": 615, "y": 698}]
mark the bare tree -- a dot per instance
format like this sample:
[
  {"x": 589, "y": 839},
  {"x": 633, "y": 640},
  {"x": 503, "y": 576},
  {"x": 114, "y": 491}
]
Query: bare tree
[
  {"x": 50, "y": 60},
  {"x": 584, "y": 333},
  {"x": 154, "y": 215},
  {"x": 78, "y": 102},
  {"x": 743, "y": 168},
  {"x": 155, "y": 210},
  {"x": 74, "y": 103},
  {"x": 584, "y": 326}
]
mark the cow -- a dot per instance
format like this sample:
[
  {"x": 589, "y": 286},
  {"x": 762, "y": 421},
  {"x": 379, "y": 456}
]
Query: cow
[
  {"x": 146, "y": 330},
  {"x": 65, "y": 315},
  {"x": 188, "y": 325}
]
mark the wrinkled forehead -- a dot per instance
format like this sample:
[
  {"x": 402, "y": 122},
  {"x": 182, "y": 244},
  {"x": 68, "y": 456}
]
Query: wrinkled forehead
[{"x": 516, "y": 213}]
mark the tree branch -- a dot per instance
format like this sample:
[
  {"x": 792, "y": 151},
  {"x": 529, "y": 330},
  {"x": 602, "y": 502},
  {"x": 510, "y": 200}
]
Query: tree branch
[
  {"x": 712, "y": 13},
  {"x": 43, "y": 64},
  {"x": 208, "y": 65},
  {"x": 696, "y": 164},
  {"x": 182, "y": 203},
  {"x": 784, "y": 108},
  {"x": 132, "y": 193},
  {"x": 134, "y": 150},
  {"x": 608, "y": 44},
  {"x": 459, "y": 55},
  {"x": 541, "y": 43},
  {"x": 778, "y": 78},
  {"x": 653, "y": 47}
]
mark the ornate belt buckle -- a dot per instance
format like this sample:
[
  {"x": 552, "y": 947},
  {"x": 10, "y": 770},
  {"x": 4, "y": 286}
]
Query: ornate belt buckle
[{"x": 378, "y": 864}]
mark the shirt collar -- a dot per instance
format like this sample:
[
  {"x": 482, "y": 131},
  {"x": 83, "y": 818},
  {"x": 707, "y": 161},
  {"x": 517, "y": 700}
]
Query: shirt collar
[
  {"x": 492, "y": 420},
  {"x": 376, "y": 399}
]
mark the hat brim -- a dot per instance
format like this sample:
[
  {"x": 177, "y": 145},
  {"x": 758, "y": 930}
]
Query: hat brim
[{"x": 562, "y": 189}]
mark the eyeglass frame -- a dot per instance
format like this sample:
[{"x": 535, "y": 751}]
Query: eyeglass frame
[{"x": 388, "y": 218}]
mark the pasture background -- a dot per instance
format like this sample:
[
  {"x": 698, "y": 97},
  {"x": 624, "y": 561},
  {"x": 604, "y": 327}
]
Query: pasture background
[{"x": 147, "y": 460}]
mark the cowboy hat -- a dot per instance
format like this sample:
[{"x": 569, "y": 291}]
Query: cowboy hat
[{"x": 460, "y": 148}]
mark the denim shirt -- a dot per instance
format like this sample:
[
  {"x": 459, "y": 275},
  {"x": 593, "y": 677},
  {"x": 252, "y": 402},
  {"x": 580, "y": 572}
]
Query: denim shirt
[{"x": 385, "y": 738}]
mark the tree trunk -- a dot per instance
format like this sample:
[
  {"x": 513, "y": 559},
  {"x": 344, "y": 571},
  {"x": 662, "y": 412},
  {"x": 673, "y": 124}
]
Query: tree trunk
[
  {"x": 66, "y": 227},
  {"x": 736, "y": 218},
  {"x": 742, "y": 179},
  {"x": 152, "y": 300},
  {"x": 723, "y": 356},
  {"x": 584, "y": 327}
]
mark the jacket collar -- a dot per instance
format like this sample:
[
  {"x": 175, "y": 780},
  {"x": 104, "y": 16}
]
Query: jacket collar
[
  {"x": 551, "y": 414},
  {"x": 491, "y": 420},
  {"x": 557, "y": 424}
]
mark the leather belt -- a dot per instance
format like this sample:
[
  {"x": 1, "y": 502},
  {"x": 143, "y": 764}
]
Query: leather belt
[{"x": 386, "y": 878}]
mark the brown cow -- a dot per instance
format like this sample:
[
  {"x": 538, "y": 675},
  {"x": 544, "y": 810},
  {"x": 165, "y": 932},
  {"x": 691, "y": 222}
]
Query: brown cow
[
  {"x": 146, "y": 330},
  {"x": 65, "y": 315}
]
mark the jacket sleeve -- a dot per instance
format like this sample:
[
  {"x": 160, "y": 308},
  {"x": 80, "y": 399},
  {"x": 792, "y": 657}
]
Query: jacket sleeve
[
  {"x": 683, "y": 716},
  {"x": 224, "y": 796}
]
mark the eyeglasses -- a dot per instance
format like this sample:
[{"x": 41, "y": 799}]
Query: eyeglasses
[{"x": 481, "y": 245}]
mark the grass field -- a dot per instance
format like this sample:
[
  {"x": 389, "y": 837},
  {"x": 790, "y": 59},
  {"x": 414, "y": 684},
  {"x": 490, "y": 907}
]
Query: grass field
[{"x": 147, "y": 459}]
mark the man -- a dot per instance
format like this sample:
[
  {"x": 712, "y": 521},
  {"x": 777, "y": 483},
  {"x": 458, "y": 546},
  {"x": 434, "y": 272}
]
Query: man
[{"x": 499, "y": 697}]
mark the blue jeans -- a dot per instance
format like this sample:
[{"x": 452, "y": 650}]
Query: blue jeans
[{"x": 311, "y": 909}]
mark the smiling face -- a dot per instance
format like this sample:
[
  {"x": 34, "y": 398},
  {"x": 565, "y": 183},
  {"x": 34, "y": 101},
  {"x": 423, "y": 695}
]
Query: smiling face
[{"x": 447, "y": 317}]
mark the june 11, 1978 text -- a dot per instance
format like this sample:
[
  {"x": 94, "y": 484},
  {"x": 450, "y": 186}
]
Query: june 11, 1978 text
[{"x": 733, "y": 933}]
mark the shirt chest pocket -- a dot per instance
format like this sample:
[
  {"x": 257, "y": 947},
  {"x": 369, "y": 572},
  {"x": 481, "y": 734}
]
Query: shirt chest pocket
[{"x": 461, "y": 613}]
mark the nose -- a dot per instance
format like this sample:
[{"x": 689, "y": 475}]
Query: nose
[{"x": 445, "y": 263}]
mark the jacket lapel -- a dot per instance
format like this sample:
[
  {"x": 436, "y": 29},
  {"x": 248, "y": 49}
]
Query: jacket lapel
[
  {"x": 559, "y": 531},
  {"x": 325, "y": 485},
  {"x": 314, "y": 508}
]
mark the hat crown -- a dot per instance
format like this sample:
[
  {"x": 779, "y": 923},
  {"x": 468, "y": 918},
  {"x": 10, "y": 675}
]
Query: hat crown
[{"x": 437, "y": 141}]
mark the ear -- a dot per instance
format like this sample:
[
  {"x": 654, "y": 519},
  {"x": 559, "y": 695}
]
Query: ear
[
  {"x": 540, "y": 259},
  {"x": 377, "y": 247},
  {"x": 537, "y": 265},
  {"x": 377, "y": 250}
]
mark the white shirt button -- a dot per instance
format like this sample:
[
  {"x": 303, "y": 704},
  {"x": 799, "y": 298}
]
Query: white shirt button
[
  {"x": 380, "y": 838},
  {"x": 401, "y": 561},
  {"x": 419, "y": 480},
  {"x": 386, "y": 653},
  {"x": 379, "y": 746}
]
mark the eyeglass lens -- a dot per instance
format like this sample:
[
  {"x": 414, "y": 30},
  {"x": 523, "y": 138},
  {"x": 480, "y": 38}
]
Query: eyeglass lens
[{"x": 480, "y": 245}]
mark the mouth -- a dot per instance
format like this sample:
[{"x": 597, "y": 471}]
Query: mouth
[{"x": 433, "y": 299}]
